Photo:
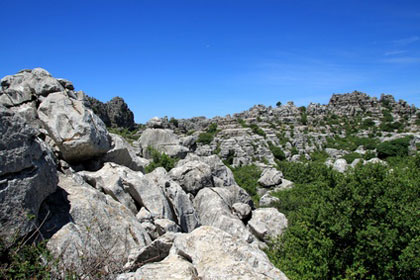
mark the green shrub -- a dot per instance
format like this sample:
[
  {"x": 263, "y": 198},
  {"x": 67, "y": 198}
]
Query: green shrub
[
  {"x": 129, "y": 135},
  {"x": 359, "y": 225},
  {"x": 304, "y": 119},
  {"x": 351, "y": 157},
  {"x": 397, "y": 147},
  {"x": 277, "y": 152},
  {"x": 159, "y": 160},
  {"x": 242, "y": 123},
  {"x": 367, "y": 123},
  {"x": 257, "y": 130},
  {"x": 205, "y": 138},
  {"x": 247, "y": 177},
  {"x": 173, "y": 121},
  {"x": 319, "y": 156},
  {"x": 24, "y": 261},
  {"x": 278, "y": 104}
]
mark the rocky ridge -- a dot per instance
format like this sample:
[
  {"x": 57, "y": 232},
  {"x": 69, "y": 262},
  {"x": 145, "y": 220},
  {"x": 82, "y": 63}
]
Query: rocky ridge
[
  {"x": 88, "y": 192},
  {"x": 64, "y": 177}
]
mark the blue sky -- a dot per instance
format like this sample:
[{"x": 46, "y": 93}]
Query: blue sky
[{"x": 205, "y": 58}]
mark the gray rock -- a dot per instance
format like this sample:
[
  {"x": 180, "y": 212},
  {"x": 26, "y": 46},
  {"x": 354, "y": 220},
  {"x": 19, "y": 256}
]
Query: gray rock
[
  {"x": 154, "y": 252},
  {"x": 163, "y": 140},
  {"x": 164, "y": 225},
  {"x": 110, "y": 180},
  {"x": 218, "y": 255},
  {"x": 66, "y": 84},
  {"x": 192, "y": 176},
  {"x": 144, "y": 215},
  {"x": 78, "y": 132},
  {"x": 267, "y": 223},
  {"x": 340, "y": 165},
  {"x": 183, "y": 208},
  {"x": 173, "y": 267},
  {"x": 123, "y": 154},
  {"x": 114, "y": 113},
  {"x": 268, "y": 200},
  {"x": 270, "y": 178},
  {"x": 27, "y": 176},
  {"x": 113, "y": 177},
  {"x": 102, "y": 232},
  {"x": 214, "y": 208},
  {"x": 285, "y": 184},
  {"x": 242, "y": 210},
  {"x": 26, "y": 85}
]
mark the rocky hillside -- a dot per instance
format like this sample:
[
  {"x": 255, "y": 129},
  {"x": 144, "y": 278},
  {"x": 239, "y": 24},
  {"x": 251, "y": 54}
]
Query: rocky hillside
[{"x": 166, "y": 204}]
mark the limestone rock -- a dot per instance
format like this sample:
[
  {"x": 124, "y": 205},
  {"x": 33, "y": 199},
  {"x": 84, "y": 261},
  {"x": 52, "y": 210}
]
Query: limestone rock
[
  {"x": 214, "y": 208},
  {"x": 27, "y": 175},
  {"x": 102, "y": 231},
  {"x": 192, "y": 176},
  {"x": 128, "y": 184},
  {"x": 123, "y": 154},
  {"x": 27, "y": 85},
  {"x": 242, "y": 210},
  {"x": 163, "y": 140},
  {"x": 76, "y": 130},
  {"x": 218, "y": 255},
  {"x": 267, "y": 223},
  {"x": 183, "y": 208},
  {"x": 270, "y": 178},
  {"x": 340, "y": 165},
  {"x": 173, "y": 267}
]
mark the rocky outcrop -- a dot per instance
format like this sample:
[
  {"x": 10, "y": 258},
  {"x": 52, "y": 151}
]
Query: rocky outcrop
[
  {"x": 216, "y": 254},
  {"x": 27, "y": 176},
  {"x": 27, "y": 85},
  {"x": 267, "y": 223},
  {"x": 164, "y": 141},
  {"x": 114, "y": 113},
  {"x": 123, "y": 153},
  {"x": 101, "y": 231},
  {"x": 75, "y": 129},
  {"x": 130, "y": 188}
]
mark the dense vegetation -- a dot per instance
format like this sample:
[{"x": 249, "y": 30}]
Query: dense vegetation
[
  {"x": 208, "y": 136},
  {"x": 360, "y": 225},
  {"x": 159, "y": 160},
  {"x": 247, "y": 176}
]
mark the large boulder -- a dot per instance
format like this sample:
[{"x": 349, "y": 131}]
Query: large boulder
[
  {"x": 131, "y": 188},
  {"x": 216, "y": 254},
  {"x": 102, "y": 232},
  {"x": 163, "y": 140},
  {"x": 27, "y": 85},
  {"x": 75, "y": 129},
  {"x": 270, "y": 177},
  {"x": 173, "y": 267},
  {"x": 267, "y": 223},
  {"x": 186, "y": 215},
  {"x": 27, "y": 176},
  {"x": 123, "y": 153},
  {"x": 193, "y": 176},
  {"x": 214, "y": 208}
]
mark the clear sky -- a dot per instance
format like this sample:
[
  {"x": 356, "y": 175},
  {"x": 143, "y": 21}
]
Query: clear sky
[{"x": 214, "y": 57}]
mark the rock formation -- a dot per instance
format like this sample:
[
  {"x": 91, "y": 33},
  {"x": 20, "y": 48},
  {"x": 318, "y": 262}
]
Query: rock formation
[{"x": 65, "y": 177}]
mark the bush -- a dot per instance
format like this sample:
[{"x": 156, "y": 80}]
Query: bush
[
  {"x": 351, "y": 157},
  {"x": 397, "y": 147},
  {"x": 247, "y": 177},
  {"x": 257, "y": 130},
  {"x": 159, "y": 160},
  {"x": 207, "y": 137},
  {"x": 129, "y": 135},
  {"x": 277, "y": 152},
  {"x": 359, "y": 225},
  {"x": 24, "y": 261},
  {"x": 173, "y": 121},
  {"x": 278, "y": 104}
]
